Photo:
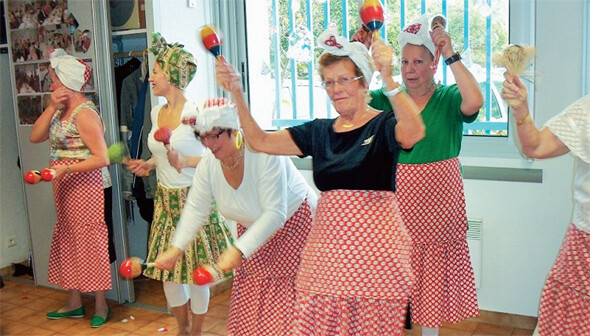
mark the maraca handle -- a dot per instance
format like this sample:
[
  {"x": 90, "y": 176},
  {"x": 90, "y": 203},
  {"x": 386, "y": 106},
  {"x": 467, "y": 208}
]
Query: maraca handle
[
  {"x": 168, "y": 149},
  {"x": 439, "y": 21}
]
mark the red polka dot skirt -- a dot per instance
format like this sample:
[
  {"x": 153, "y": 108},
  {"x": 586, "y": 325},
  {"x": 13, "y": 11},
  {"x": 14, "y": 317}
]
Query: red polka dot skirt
[
  {"x": 432, "y": 204},
  {"x": 565, "y": 301},
  {"x": 263, "y": 292},
  {"x": 79, "y": 254},
  {"x": 355, "y": 275}
]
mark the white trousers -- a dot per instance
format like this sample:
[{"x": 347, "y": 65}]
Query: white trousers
[{"x": 179, "y": 294}]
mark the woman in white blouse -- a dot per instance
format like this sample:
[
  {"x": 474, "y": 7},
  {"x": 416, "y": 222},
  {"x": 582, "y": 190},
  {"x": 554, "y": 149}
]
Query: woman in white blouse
[
  {"x": 273, "y": 205},
  {"x": 565, "y": 299}
]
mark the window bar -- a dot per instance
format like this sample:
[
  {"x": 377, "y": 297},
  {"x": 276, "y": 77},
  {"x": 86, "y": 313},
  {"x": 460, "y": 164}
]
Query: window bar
[
  {"x": 488, "y": 98},
  {"x": 402, "y": 13},
  {"x": 277, "y": 59},
  {"x": 382, "y": 31},
  {"x": 466, "y": 25},
  {"x": 292, "y": 63},
  {"x": 326, "y": 23},
  {"x": 310, "y": 85},
  {"x": 444, "y": 65},
  {"x": 345, "y": 19}
]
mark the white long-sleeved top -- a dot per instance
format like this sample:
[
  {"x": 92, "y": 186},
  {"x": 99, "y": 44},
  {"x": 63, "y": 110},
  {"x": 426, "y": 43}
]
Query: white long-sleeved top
[
  {"x": 271, "y": 191},
  {"x": 572, "y": 127},
  {"x": 183, "y": 139}
]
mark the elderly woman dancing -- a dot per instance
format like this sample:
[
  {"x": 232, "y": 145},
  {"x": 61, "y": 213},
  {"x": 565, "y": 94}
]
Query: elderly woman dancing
[
  {"x": 565, "y": 301},
  {"x": 355, "y": 276},
  {"x": 430, "y": 188},
  {"x": 273, "y": 205}
]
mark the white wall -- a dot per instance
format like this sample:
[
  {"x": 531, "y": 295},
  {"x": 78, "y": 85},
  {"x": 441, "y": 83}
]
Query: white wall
[
  {"x": 179, "y": 23},
  {"x": 524, "y": 223}
]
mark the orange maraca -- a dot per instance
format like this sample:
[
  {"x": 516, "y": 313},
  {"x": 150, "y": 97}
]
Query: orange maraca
[
  {"x": 212, "y": 39},
  {"x": 372, "y": 14}
]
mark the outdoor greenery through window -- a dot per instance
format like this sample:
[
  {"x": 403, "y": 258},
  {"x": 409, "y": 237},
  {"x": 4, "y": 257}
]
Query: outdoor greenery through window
[{"x": 285, "y": 88}]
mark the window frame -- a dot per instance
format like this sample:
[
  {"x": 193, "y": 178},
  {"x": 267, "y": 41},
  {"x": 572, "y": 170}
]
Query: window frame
[
  {"x": 585, "y": 56},
  {"x": 232, "y": 18},
  {"x": 521, "y": 31}
]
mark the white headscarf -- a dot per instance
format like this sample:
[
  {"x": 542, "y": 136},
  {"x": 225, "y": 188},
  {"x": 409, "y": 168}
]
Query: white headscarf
[
  {"x": 71, "y": 71},
  {"x": 337, "y": 45},
  {"x": 417, "y": 33},
  {"x": 217, "y": 112}
]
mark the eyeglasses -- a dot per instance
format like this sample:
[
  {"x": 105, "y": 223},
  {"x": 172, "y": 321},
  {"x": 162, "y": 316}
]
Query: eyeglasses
[
  {"x": 343, "y": 81},
  {"x": 211, "y": 136}
]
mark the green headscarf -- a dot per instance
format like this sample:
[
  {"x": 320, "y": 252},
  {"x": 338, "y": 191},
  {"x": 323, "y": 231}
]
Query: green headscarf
[{"x": 178, "y": 65}]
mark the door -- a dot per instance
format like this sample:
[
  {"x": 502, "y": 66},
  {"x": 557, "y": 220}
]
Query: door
[{"x": 80, "y": 27}]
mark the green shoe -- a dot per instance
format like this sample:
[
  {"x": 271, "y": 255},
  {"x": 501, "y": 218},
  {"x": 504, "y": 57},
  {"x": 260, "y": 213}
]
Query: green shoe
[
  {"x": 98, "y": 321},
  {"x": 76, "y": 313}
]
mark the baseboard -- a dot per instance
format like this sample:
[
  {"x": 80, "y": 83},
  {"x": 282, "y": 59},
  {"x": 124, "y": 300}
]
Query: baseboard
[{"x": 7, "y": 271}]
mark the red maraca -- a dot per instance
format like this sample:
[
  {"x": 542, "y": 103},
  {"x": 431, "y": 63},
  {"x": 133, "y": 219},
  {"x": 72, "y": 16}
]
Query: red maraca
[
  {"x": 372, "y": 15},
  {"x": 162, "y": 135},
  {"x": 207, "y": 273},
  {"x": 133, "y": 267},
  {"x": 33, "y": 177},
  {"x": 48, "y": 174},
  {"x": 212, "y": 39}
]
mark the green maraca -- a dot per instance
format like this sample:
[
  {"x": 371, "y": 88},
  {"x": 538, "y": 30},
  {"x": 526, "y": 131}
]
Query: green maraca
[{"x": 118, "y": 153}]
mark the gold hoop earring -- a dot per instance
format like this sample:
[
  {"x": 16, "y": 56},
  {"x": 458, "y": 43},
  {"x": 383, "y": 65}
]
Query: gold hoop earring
[
  {"x": 239, "y": 139},
  {"x": 368, "y": 97}
]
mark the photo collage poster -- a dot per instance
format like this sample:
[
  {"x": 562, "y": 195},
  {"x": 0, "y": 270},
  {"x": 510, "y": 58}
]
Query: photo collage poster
[{"x": 36, "y": 28}]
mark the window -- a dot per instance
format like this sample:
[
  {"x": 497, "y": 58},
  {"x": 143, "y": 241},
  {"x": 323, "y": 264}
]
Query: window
[
  {"x": 282, "y": 80},
  {"x": 586, "y": 41}
]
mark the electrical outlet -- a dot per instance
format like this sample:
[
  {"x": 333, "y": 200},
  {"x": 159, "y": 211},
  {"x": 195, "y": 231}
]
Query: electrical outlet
[
  {"x": 192, "y": 3},
  {"x": 11, "y": 241}
]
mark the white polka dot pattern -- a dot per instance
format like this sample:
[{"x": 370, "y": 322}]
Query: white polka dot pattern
[
  {"x": 357, "y": 247},
  {"x": 263, "y": 292},
  {"x": 79, "y": 254},
  {"x": 355, "y": 263},
  {"x": 432, "y": 204},
  {"x": 565, "y": 302},
  {"x": 334, "y": 316}
]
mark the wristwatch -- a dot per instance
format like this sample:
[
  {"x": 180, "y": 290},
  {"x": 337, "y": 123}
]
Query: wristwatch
[{"x": 456, "y": 56}]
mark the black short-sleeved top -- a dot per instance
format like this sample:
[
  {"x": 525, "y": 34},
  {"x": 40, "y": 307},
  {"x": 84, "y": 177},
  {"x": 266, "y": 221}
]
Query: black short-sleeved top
[{"x": 361, "y": 159}]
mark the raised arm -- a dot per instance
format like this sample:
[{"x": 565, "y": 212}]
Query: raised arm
[
  {"x": 535, "y": 143},
  {"x": 410, "y": 127},
  {"x": 468, "y": 87},
  {"x": 279, "y": 142}
]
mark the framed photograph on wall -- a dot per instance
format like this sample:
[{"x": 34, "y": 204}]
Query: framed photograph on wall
[{"x": 35, "y": 29}]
